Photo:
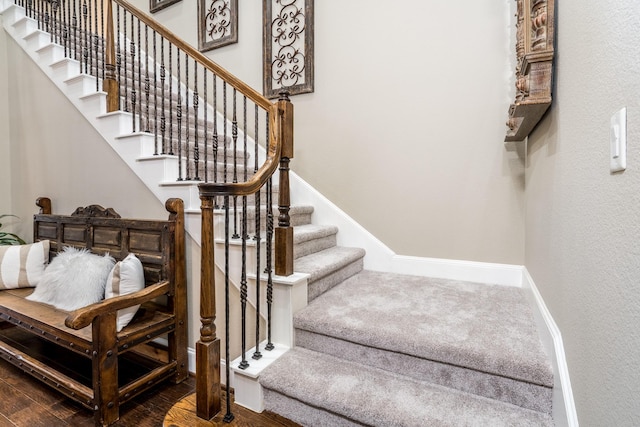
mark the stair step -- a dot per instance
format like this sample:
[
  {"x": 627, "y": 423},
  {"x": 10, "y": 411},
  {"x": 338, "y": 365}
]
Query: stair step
[
  {"x": 310, "y": 238},
  {"x": 336, "y": 392},
  {"x": 473, "y": 337},
  {"x": 329, "y": 267}
]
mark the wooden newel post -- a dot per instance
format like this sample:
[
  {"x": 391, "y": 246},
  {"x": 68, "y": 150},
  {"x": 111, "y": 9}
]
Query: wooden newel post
[
  {"x": 110, "y": 83},
  {"x": 208, "y": 390},
  {"x": 284, "y": 231}
]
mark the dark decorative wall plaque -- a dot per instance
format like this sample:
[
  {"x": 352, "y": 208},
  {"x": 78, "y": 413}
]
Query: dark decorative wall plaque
[
  {"x": 535, "y": 28},
  {"x": 287, "y": 47},
  {"x": 217, "y": 23},
  {"x": 156, "y": 5}
]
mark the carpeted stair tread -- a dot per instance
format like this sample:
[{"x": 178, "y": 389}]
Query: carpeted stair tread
[
  {"x": 482, "y": 327},
  {"x": 325, "y": 262},
  {"x": 308, "y": 232},
  {"x": 303, "y": 384},
  {"x": 311, "y": 238}
]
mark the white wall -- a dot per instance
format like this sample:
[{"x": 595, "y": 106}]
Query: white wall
[
  {"x": 582, "y": 227},
  {"x": 5, "y": 164},
  {"x": 404, "y": 131}
]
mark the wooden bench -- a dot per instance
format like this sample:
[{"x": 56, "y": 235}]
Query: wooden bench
[{"x": 79, "y": 353}]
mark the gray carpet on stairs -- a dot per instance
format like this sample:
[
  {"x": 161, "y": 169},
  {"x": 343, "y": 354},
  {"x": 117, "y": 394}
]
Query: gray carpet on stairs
[
  {"x": 389, "y": 349},
  {"x": 328, "y": 391},
  {"x": 483, "y": 327}
]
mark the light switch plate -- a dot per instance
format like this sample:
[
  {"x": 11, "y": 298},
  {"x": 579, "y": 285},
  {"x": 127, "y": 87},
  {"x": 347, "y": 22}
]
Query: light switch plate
[{"x": 618, "y": 140}]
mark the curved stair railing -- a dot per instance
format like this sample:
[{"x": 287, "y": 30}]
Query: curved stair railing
[{"x": 212, "y": 123}]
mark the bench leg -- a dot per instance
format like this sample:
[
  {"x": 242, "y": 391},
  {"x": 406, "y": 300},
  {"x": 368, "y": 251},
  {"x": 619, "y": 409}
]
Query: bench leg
[{"x": 105, "y": 370}]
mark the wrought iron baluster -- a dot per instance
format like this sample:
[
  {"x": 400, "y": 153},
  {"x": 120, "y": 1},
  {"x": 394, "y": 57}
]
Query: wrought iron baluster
[
  {"x": 196, "y": 101},
  {"x": 243, "y": 286},
  {"x": 170, "y": 100},
  {"x": 65, "y": 29},
  {"x": 228, "y": 416},
  {"x": 147, "y": 81},
  {"x": 163, "y": 118},
  {"x": 55, "y": 6},
  {"x": 47, "y": 23},
  {"x": 187, "y": 147},
  {"x": 119, "y": 60},
  {"x": 74, "y": 23},
  {"x": 134, "y": 94},
  {"x": 224, "y": 129},
  {"x": 269, "y": 268},
  {"x": 88, "y": 33},
  {"x": 179, "y": 118},
  {"x": 215, "y": 130},
  {"x": 155, "y": 95},
  {"x": 104, "y": 39},
  {"x": 234, "y": 138},
  {"x": 123, "y": 59},
  {"x": 257, "y": 238},
  {"x": 139, "y": 48},
  {"x": 206, "y": 126},
  {"x": 96, "y": 43},
  {"x": 84, "y": 36},
  {"x": 36, "y": 12}
]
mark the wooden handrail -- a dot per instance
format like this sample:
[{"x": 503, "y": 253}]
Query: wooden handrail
[
  {"x": 242, "y": 87},
  {"x": 268, "y": 168}
]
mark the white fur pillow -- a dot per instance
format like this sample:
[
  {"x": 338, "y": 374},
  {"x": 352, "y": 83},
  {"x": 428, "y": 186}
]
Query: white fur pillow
[
  {"x": 22, "y": 266},
  {"x": 74, "y": 279},
  {"x": 126, "y": 277}
]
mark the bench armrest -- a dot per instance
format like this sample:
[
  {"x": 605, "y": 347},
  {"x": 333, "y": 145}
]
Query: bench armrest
[{"x": 84, "y": 316}]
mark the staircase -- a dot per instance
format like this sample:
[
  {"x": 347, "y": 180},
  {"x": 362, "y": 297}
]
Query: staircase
[
  {"x": 389, "y": 349},
  {"x": 371, "y": 348}
]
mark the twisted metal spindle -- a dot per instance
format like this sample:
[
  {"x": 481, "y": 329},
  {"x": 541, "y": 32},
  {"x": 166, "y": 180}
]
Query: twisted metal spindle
[
  {"x": 119, "y": 60},
  {"x": 257, "y": 355},
  {"x": 269, "y": 269},
  {"x": 147, "y": 81},
  {"x": 163, "y": 118},
  {"x": 85, "y": 36},
  {"x": 179, "y": 119},
  {"x": 206, "y": 131},
  {"x": 224, "y": 130},
  {"x": 228, "y": 416},
  {"x": 134, "y": 93},
  {"x": 96, "y": 44},
  {"x": 187, "y": 147},
  {"x": 139, "y": 79},
  {"x": 124, "y": 54},
  {"x": 170, "y": 101},
  {"x": 65, "y": 30},
  {"x": 104, "y": 44},
  {"x": 196, "y": 101},
  {"x": 234, "y": 138},
  {"x": 215, "y": 130},
  {"x": 243, "y": 287},
  {"x": 155, "y": 95}
]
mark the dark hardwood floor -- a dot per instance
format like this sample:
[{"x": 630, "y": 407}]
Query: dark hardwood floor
[{"x": 26, "y": 402}]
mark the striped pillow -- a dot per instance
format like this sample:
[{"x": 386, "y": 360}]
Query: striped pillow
[
  {"x": 126, "y": 277},
  {"x": 21, "y": 266}
]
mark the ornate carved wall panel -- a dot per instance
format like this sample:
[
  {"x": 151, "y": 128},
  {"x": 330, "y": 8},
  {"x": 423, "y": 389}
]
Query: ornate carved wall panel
[
  {"x": 217, "y": 23},
  {"x": 534, "y": 67},
  {"x": 287, "y": 46}
]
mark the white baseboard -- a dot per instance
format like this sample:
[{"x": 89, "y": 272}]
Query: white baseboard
[
  {"x": 564, "y": 409},
  {"x": 471, "y": 271}
]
